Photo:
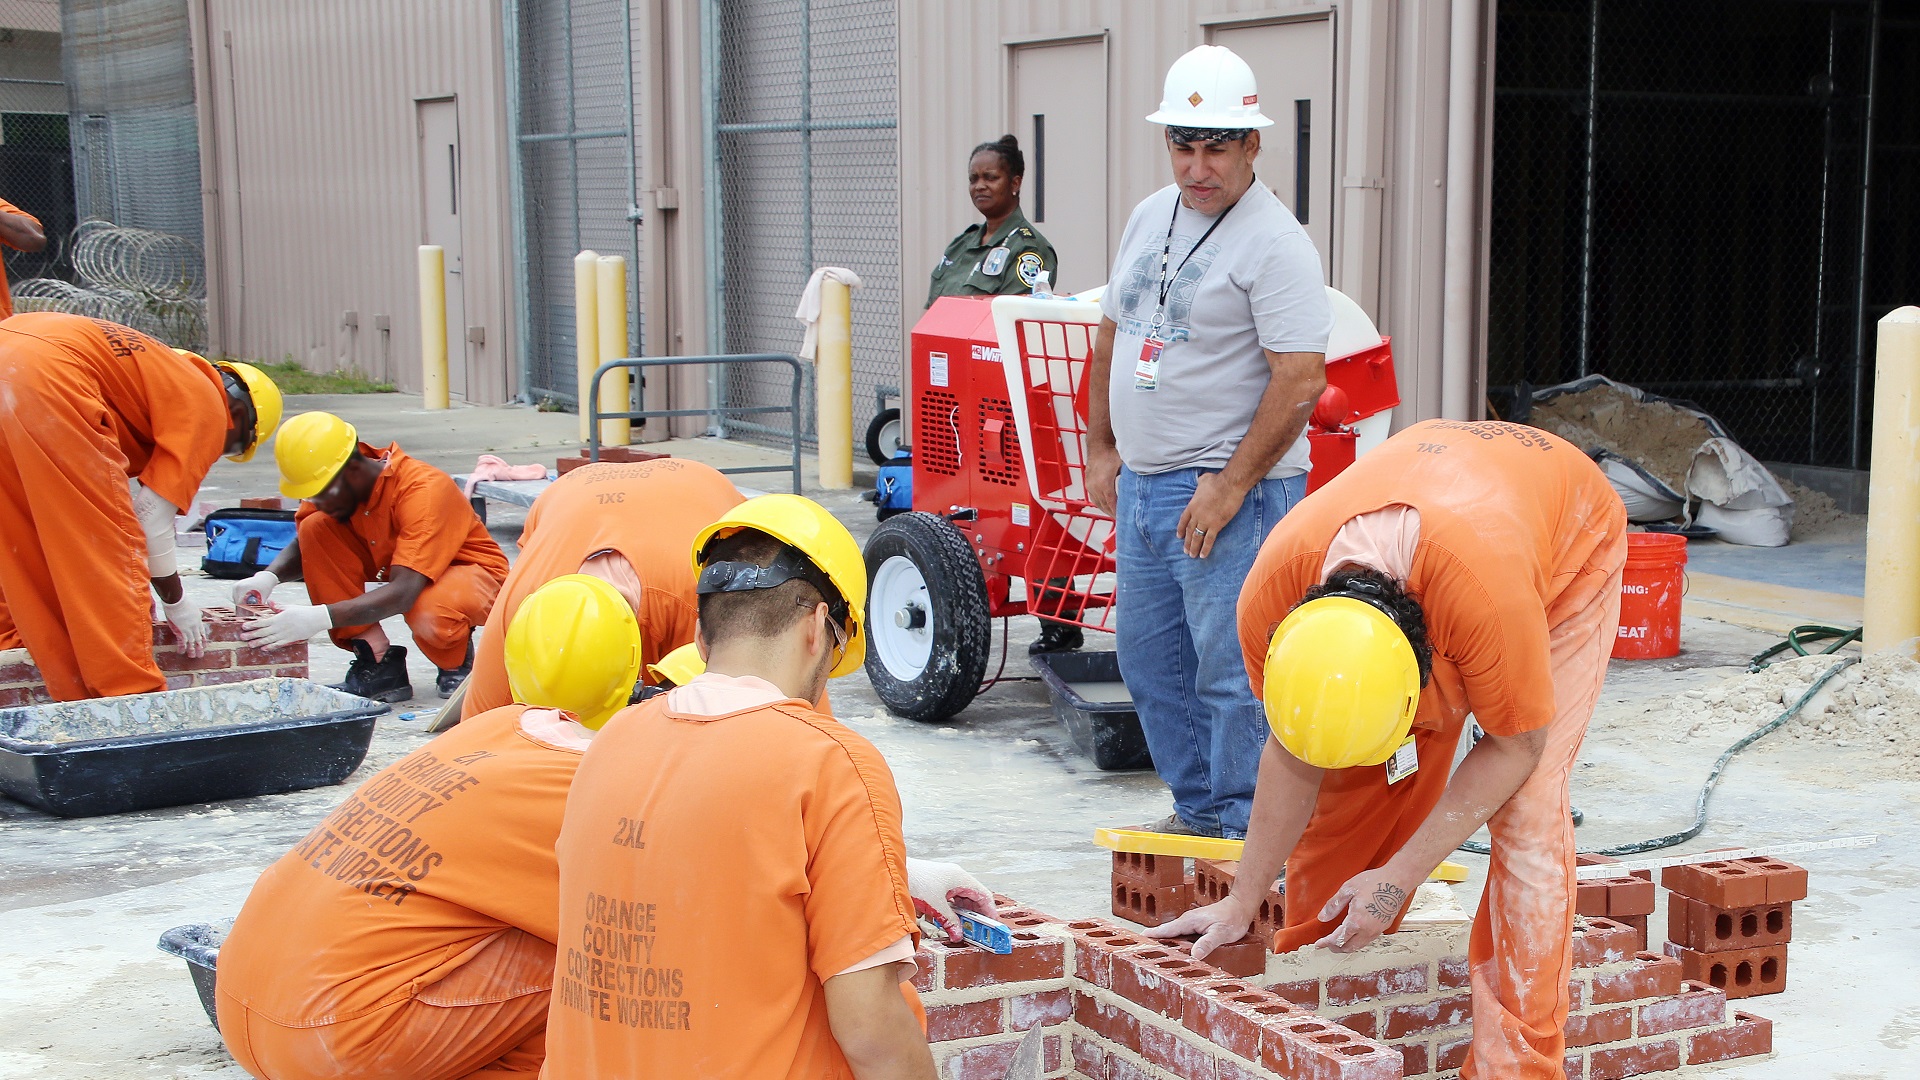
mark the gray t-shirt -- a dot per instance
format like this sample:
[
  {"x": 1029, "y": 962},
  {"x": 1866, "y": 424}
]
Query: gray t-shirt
[{"x": 1254, "y": 284}]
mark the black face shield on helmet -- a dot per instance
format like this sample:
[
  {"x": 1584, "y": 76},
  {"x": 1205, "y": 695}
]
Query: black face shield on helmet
[{"x": 1186, "y": 136}]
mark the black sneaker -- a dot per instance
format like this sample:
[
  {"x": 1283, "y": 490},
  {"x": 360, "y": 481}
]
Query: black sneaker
[
  {"x": 1056, "y": 637},
  {"x": 378, "y": 680},
  {"x": 450, "y": 679}
]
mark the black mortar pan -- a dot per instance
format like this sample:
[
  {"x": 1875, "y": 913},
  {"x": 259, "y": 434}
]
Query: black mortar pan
[{"x": 203, "y": 744}]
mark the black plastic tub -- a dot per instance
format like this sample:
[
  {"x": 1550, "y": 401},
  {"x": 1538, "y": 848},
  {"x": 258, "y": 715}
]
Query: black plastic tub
[
  {"x": 199, "y": 945},
  {"x": 114, "y": 755},
  {"x": 1106, "y": 731}
]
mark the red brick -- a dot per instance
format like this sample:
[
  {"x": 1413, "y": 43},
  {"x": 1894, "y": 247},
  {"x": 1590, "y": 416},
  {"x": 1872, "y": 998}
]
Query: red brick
[
  {"x": 13, "y": 696},
  {"x": 1089, "y": 1059},
  {"x": 16, "y": 667},
  {"x": 1121, "y": 1067},
  {"x": 290, "y": 671},
  {"x": 1348, "y": 989},
  {"x": 180, "y": 682},
  {"x": 1576, "y": 994},
  {"x": 1360, "y": 1023},
  {"x": 1096, "y": 942},
  {"x": 928, "y": 978},
  {"x": 1590, "y": 898},
  {"x": 1605, "y": 1026},
  {"x": 1574, "y": 1065},
  {"x": 1428, "y": 1016},
  {"x": 975, "y": 1018},
  {"x": 1615, "y": 1062},
  {"x": 1697, "y": 1006},
  {"x": 1704, "y": 928},
  {"x": 1630, "y": 896},
  {"x": 1651, "y": 975},
  {"x": 1638, "y": 923},
  {"x": 214, "y": 660},
  {"x": 1598, "y": 940},
  {"x": 1155, "y": 978},
  {"x": 232, "y": 675},
  {"x": 1109, "y": 1021},
  {"x": 1150, "y": 907},
  {"x": 1226, "y": 1069},
  {"x": 271, "y": 502},
  {"x": 988, "y": 1061},
  {"x": 1222, "y": 1011},
  {"x": 1305, "y": 993},
  {"x": 1312, "y": 1049},
  {"x": 1149, "y": 871},
  {"x": 1451, "y": 1053},
  {"x": 1043, "y": 1008},
  {"x": 565, "y": 465},
  {"x": 1031, "y": 959},
  {"x": 1212, "y": 880},
  {"x": 1722, "y": 884},
  {"x": 1413, "y": 1058},
  {"x": 1455, "y": 973},
  {"x": 249, "y": 656},
  {"x": 1748, "y": 1036},
  {"x": 1742, "y": 973},
  {"x": 1176, "y": 1055},
  {"x": 1245, "y": 959},
  {"x": 1786, "y": 882}
]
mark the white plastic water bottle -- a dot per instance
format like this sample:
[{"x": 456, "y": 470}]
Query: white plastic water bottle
[{"x": 1043, "y": 284}]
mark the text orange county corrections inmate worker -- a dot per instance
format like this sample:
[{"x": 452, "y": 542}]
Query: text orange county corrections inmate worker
[
  {"x": 733, "y": 882},
  {"x": 411, "y": 933},
  {"x": 377, "y": 515},
  {"x": 1459, "y": 568},
  {"x": 105, "y": 435}
]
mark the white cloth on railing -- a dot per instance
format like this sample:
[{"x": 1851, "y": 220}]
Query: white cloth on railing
[{"x": 809, "y": 310}]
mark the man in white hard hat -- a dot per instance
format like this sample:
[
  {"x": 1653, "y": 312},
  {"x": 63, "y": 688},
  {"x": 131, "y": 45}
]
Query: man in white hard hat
[{"x": 1208, "y": 361}]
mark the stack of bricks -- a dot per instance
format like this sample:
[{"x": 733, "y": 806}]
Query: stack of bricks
[
  {"x": 268, "y": 502},
  {"x": 1628, "y": 898},
  {"x": 1728, "y": 923},
  {"x": 1117, "y": 1006},
  {"x": 623, "y": 454},
  {"x": 227, "y": 660}
]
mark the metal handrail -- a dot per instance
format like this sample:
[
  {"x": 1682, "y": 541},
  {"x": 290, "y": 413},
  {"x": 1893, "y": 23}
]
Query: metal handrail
[{"x": 792, "y": 409}]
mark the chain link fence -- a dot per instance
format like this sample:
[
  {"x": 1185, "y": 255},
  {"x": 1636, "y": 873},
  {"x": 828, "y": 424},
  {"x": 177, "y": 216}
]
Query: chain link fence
[
  {"x": 1678, "y": 204},
  {"x": 808, "y": 176},
  {"x": 577, "y": 180}
]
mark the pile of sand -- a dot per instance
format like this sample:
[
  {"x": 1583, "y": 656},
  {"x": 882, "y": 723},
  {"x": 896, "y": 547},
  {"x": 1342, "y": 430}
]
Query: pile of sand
[
  {"x": 1658, "y": 437},
  {"x": 1871, "y": 707},
  {"x": 1817, "y": 516}
]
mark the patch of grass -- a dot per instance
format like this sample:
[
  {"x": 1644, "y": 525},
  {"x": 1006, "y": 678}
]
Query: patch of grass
[{"x": 294, "y": 379}]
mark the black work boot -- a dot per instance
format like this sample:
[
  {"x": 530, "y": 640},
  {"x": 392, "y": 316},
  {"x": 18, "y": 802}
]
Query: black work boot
[
  {"x": 1056, "y": 637},
  {"x": 450, "y": 679},
  {"x": 384, "y": 679}
]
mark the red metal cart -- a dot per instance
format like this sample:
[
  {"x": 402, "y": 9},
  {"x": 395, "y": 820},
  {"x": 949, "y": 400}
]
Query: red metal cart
[{"x": 997, "y": 412}]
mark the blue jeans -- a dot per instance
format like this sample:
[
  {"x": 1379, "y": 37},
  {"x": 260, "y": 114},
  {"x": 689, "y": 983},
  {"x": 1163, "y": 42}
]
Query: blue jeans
[{"x": 1179, "y": 642}]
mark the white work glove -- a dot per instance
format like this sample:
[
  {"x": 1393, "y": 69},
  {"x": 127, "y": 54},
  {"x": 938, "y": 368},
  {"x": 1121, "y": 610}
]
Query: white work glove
[
  {"x": 255, "y": 590},
  {"x": 156, "y": 522},
  {"x": 289, "y": 626},
  {"x": 189, "y": 626},
  {"x": 939, "y": 887}
]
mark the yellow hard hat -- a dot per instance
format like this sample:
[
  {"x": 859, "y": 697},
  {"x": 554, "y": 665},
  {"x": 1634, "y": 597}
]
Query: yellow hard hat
[
  {"x": 574, "y": 645},
  {"x": 679, "y": 666},
  {"x": 1342, "y": 683},
  {"x": 805, "y": 525},
  {"x": 267, "y": 405},
  {"x": 310, "y": 451}
]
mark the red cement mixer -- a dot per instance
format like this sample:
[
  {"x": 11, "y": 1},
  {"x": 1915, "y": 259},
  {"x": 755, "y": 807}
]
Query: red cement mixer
[{"x": 997, "y": 413}]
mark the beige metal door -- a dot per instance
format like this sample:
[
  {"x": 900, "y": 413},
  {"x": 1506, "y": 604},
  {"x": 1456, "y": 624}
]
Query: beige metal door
[
  {"x": 440, "y": 206},
  {"x": 1060, "y": 116},
  {"x": 1293, "y": 66}
]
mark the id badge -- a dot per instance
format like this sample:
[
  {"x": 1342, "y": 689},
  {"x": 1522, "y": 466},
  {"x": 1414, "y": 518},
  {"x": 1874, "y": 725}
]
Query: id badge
[
  {"x": 1146, "y": 370},
  {"x": 1404, "y": 762}
]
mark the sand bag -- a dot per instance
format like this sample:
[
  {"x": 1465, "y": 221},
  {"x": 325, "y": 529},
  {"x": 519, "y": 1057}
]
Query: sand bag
[{"x": 1739, "y": 497}]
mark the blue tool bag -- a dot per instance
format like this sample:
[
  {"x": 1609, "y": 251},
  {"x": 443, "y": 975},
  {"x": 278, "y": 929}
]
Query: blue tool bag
[
  {"x": 893, "y": 488},
  {"x": 242, "y": 542}
]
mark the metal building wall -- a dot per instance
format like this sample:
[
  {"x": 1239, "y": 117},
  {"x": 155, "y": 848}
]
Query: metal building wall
[{"x": 310, "y": 145}]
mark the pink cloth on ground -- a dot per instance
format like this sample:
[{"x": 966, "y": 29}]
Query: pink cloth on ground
[{"x": 489, "y": 467}]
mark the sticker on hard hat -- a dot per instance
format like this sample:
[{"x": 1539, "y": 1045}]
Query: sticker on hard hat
[
  {"x": 1250, "y": 99},
  {"x": 1195, "y": 99},
  {"x": 1028, "y": 267}
]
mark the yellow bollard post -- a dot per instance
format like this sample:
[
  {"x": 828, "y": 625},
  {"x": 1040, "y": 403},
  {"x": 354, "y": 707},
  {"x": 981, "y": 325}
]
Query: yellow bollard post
[
  {"x": 1893, "y": 488},
  {"x": 833, "y": 385},
  {"x": 612, "y": 305},
  {"x": 433, "y": 326},
  {"x": 586, "y": 329}
]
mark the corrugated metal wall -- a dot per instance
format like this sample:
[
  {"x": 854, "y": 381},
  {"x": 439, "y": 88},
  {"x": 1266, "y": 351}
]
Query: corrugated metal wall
[{"x": 312, "y": 161}]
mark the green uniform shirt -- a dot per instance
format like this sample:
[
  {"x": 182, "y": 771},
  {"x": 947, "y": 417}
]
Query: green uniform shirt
[{"x": 1008, "y": 262}]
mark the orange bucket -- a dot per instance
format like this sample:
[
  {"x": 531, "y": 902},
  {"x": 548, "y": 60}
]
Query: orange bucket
[{"x": 1650, "y": 589}]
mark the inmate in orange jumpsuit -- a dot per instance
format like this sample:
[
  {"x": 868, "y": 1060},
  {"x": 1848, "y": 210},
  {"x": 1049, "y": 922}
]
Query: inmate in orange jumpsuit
[
  {"x": 647, "y": 512},
  {"x": 416, "y": 517},
  {"x": 1518, "y": 569},
  {"x": 6, "y": 291},
  {"x": 715, "y": 871},
  {"x": 411, "y": 933},
  {"x": 84, "y": 407}
]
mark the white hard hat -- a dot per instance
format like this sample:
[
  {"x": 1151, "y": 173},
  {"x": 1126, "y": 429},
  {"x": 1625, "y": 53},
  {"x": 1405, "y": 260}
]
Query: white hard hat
[{"x": 1210, "y": 87}]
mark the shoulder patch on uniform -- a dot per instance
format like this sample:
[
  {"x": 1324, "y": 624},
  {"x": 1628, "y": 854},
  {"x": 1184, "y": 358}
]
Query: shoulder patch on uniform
[{"x": 1029, "y": 267}]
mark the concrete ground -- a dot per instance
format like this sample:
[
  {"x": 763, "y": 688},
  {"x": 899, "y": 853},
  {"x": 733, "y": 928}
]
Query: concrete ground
[{"x": 1000, "y": 790}]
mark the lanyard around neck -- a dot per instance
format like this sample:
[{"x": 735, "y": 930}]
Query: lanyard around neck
[{"x": 1166, "y": 252}]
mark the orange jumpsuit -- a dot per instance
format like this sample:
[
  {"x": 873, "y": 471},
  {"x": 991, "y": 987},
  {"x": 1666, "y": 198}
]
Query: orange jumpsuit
[
  {"x": 715, "y": 871},
  {"x": 411, "y": 933},
  {"x": 416, "y": 517},
  {"x": 647, "y": 512},
  {"x": 6, "y": 291},
  {"x": 1518, "y": 569},
  {"x": 84, "y": 407}
]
